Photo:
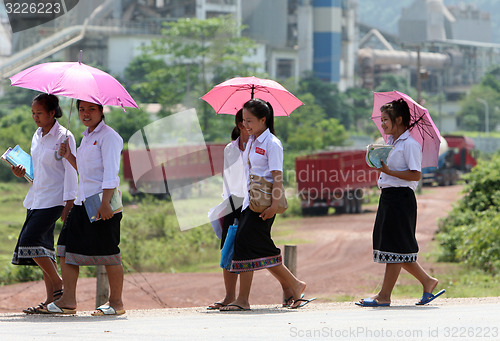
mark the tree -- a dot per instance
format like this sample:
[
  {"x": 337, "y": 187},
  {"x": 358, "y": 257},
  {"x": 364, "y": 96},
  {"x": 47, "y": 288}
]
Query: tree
[
  {"x": 17, "y": 127},
  {"x": 471, "y": 116},
  {"x": 127, "y": 123},
  {"x": 327, "y": 95},
  {"x": 308, "y": 129},
  {"x": 191, "y": 56}
]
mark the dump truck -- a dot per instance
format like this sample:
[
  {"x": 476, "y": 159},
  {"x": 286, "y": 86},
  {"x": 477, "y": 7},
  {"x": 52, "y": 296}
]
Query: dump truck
[
  {"x": 456, "y": 157},
  {"x": 336, "y": 179}
]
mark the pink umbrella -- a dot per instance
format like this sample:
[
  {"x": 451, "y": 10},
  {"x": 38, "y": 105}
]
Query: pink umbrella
[
  {"x": 229, "y": 96},
  {"x": 422, "y": 128},
  {"x": 74, "y": 80}
]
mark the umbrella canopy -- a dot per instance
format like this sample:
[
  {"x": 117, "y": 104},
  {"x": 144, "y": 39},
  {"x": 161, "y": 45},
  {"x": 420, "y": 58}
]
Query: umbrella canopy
[
  {"x": 422, "y": 128},
  {"x": 75, "y": 80},
  {"x": 228, "y": 97}
]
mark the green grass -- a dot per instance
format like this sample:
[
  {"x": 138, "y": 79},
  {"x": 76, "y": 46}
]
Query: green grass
[{"x": 458, "y": 279}]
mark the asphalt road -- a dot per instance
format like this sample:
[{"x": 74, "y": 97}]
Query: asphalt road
[{"x": 453, "y": 319}]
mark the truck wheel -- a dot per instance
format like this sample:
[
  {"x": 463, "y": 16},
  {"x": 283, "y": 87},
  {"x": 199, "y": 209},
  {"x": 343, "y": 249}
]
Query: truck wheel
[
  {"x": 306, "y": 211},
  {"x": 349, "y": 204},
  {"x": 340, "y": 209},
  {"x": 358, "y": 200}
]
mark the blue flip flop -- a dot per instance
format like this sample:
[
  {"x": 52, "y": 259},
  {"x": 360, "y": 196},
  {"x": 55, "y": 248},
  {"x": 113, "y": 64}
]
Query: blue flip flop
[
  {"x": 370, "y": 302},
  {"x": 429, "y": 297}
]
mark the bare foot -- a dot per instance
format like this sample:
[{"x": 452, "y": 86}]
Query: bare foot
[
  {"x": 379, "y": 299},
  {"x": 62, "y": 303},
  {"x": 298, "y": 290},
  {"x": 430, "y": 285},
  {"x": 236, "y": 306}
]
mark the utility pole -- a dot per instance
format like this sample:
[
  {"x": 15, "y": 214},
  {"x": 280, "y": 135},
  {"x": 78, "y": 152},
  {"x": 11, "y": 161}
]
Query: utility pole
[
  {"x": 419, "y": 81},
  {"x": 486, "y": 115}
]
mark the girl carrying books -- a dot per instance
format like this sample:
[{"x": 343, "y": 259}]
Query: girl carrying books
[
  {"x": 394, "y": 242},
  {"x": 81, "y": 241},
  {"x": 49, "y": 198}
]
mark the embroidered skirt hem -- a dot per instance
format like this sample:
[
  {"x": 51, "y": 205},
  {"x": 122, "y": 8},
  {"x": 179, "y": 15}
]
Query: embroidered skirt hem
[
  {"x": 25, "y": 255},
  {"x": 256, "y": 264},
  {"x": 391, "y": 257}
]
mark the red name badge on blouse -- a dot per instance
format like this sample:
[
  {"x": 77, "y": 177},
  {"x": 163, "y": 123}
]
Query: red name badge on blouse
[{"x": 260, "y": 151}]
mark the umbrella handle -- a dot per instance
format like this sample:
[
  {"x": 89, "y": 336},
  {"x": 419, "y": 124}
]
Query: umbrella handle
[{"x": 56, "y": 155}]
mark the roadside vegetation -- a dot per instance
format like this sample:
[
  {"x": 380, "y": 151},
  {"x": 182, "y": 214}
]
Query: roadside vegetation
[{"x": 471, "y": 232}]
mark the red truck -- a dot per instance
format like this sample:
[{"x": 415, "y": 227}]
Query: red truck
[
  {"x": 147, "y": 171},
  {"x": 464, "y": 152},
  {"x": 333, "y": 179},
  {"x": 456, "y": 156}
]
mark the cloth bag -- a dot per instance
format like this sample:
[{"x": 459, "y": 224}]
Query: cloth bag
[
  {"x": 260, "y": 195},
  {"x": 226, "y": 254}
]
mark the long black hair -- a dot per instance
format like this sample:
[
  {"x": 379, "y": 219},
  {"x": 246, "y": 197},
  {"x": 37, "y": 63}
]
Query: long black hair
[
  {"x": 398, "y": 108},
  {"x": 261, "y": 109},
  {"x": 238, "y": 118},
  {"x": 49, "y": 103}
]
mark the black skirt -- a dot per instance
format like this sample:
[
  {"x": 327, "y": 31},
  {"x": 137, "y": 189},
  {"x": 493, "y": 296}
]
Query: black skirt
[
  {"x": 394, "y": 231},
  {"x": 84, "y": 243},
  {"x": 253, "y": 248},
  {"x": 37, "y": 236}
]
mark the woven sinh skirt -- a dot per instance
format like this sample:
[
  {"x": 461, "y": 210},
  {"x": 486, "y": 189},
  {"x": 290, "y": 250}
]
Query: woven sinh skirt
[
  {"x": 229, "y": 219},
  {"x": 84, "y": 243},
  {"x": 253, "y": 248},
  {"x": 37, "y": 236},
  {"x": 394, "y": 231}
]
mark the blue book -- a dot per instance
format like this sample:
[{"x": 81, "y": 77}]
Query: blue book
[
  {"x": 377, "y": 152},
  {"x": 17, "y": 156},
  {"x": 93, "y": 203}
]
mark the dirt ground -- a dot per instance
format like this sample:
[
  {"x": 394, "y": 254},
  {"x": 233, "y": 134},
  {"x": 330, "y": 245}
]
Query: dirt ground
[{"x": 336, "y": 260}]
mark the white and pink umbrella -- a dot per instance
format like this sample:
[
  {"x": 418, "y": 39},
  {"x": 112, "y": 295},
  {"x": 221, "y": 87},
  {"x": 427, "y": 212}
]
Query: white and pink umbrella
[
  {"x": 422, "y": 128},
  {"x": 228, "y": 97}
]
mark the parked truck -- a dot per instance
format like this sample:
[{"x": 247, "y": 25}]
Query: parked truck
[
  {"x": 333, "y": 179},
  {"x": 456, "y": 157},
  {"x": 148, "y": 171}
]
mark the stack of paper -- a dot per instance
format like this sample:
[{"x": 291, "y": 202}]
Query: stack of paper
[
  {"x": 377, "y": 152},
  {"x": 17, "y": 156}
]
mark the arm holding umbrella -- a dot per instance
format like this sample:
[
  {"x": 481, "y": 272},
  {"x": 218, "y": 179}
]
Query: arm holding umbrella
[{"x": 65, "y": 152}]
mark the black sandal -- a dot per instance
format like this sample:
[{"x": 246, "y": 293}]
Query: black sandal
[
  {"x": 35, "y": 310},
  {"x": 58, "y": 294}
]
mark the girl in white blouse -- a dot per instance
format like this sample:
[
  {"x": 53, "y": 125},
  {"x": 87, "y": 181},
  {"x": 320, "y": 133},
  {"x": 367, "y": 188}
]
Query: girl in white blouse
[
  {"x": 254, "y": 248},
  {"x": 49, "y": 198},
  {"x": 82, "y": 242},
  {"x": 394, "y": 242}
]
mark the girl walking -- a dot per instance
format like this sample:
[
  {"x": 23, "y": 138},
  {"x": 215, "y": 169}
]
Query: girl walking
[
  {"x": 49, "y": 198},
  {"x": 81, "y": 241},
  {"x": 254, "y": 249},
  {"x": 394, "y": 241}
]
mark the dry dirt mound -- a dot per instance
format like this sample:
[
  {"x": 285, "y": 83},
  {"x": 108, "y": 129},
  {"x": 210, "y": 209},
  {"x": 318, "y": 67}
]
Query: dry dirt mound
[{"x": 336, "y": 261}]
